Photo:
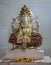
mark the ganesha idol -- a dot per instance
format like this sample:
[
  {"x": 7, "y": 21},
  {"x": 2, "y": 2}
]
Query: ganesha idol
[{"x": 23, "y": 33}]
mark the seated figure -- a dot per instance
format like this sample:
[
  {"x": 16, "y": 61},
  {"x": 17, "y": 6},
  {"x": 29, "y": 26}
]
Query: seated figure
[{"x": 23, "y": 32}]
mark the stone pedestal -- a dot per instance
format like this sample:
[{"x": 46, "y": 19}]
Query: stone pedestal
[{"x": 28, "y": 53}]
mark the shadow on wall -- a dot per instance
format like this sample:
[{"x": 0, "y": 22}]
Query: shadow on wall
[
  {"x": 2, "y": 52},
  {"x": 47, "y": 52},
  {"x": 4, "y": 45}
]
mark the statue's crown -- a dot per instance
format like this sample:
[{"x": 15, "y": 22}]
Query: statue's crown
[{"x": 25, "y": 10}]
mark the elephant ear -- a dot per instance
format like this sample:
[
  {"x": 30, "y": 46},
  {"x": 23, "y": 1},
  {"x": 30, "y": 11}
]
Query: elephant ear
[
  {"x": 13, "y": 38},
  {"x": 36, "y": 40}
]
